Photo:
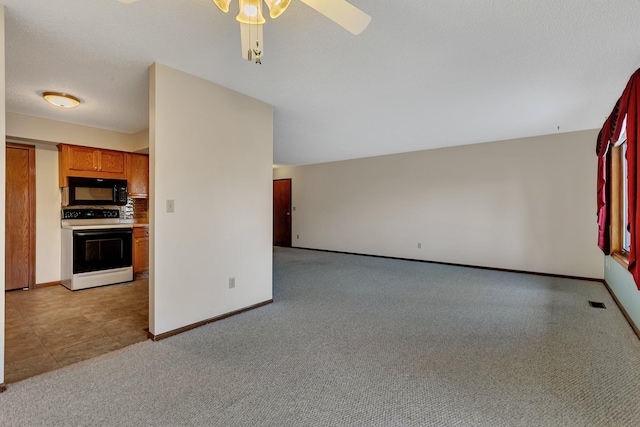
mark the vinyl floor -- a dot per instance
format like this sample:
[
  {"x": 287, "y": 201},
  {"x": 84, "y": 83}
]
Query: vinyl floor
[{"x": 52, "y": 327}]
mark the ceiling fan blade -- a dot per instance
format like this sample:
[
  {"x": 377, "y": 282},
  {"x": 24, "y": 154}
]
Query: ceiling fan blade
[{"x": 342, "y": 13}]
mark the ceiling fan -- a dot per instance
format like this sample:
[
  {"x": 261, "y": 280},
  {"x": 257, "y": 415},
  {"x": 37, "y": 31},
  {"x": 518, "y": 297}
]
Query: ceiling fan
[{"x": 251, "y": 20}]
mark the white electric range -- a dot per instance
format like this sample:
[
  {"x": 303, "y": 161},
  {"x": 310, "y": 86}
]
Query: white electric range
[{"x": 96, "y": 248}]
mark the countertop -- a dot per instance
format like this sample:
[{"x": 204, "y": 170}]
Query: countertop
[
  {"x": 95, "y": 226},
  {"x": 135, "y": 223},
  {"x": 124, "y": 223}
]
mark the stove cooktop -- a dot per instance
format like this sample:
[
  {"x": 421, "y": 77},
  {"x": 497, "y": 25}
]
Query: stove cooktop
[
  {"x": 88, "y": 218},
  {"x": 90, "y": 213}
]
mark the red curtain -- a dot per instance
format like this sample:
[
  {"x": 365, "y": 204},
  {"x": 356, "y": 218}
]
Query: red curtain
[
  {"x": 604, "y": 196},
  {"x": 627, "y": 106}
]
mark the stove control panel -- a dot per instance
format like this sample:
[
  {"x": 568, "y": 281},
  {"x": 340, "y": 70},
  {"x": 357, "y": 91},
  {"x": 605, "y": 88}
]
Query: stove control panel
[{"x": 90, "y": 213}]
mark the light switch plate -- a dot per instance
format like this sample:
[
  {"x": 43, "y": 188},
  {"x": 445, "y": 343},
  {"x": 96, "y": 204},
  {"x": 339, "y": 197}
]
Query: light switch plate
[{"x": 171, "y": 207}]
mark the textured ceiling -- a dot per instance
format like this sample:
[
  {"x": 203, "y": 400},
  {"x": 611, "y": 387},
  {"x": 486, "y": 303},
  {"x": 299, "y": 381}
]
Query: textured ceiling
[{"x": 424, "y": 74}]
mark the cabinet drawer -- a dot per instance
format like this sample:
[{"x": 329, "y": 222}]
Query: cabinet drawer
[{"x": 140, "y": 232}]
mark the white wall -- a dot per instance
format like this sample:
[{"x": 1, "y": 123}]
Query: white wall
[
  {"x": 38, "y": 129},
  {"x": 525, "y": 204},
  {"x": 211, "y": 151},
  {"x": 48, "y": 244},
  {"x": 621, "y": 283},
  {"x": 2, "y": 187},
  {"x": 140, "y": 142}
]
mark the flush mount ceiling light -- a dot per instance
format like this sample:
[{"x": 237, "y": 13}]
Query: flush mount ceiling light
[
  {"x": 59, "y": 99},
  {"x": 251, "y": 20}
]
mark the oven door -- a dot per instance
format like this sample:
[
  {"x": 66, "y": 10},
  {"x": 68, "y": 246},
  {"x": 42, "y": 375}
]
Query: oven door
[{"x": 103, "y": 249}]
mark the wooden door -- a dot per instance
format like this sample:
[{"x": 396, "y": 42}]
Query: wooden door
[
  {"x": 20, "y": 217},
  {"x": 282, "y": 212}
]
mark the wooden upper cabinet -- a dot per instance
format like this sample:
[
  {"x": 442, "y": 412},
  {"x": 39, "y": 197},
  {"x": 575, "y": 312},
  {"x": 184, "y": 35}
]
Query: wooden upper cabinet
[
  {"x": 82, "y": 159},
  {"x": 89, "y": 162},
  {"x": 138, "y": 174},
  {"x": 111, "y": 161}
]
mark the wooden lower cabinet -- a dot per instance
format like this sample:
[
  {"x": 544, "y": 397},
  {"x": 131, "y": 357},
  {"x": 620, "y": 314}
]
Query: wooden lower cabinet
[{"x": 140, "y": 252}]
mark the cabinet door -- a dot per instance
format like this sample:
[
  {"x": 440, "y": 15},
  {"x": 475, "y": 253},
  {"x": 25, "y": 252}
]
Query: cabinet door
[
  {"x": 141, "y": 252},
  {"x": 89, "y": 162},
  {"x": 111, "y": 161},
  {"x": 82, "y": 159},
  {"x": 138, "y": 175}
]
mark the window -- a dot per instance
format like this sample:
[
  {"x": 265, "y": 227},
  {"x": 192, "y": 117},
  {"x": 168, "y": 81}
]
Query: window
[
  {"x": 620, "y": 236},
  {"x": 626, "y": 235}
]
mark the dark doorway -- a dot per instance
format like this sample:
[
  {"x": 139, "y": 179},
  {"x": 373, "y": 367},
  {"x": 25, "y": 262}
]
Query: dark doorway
[
  {"x": 20, "y": 237},
  {"x": 282, "y": 212}
]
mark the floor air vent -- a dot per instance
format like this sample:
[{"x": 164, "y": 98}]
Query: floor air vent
[{"x": 596, "y": 304}]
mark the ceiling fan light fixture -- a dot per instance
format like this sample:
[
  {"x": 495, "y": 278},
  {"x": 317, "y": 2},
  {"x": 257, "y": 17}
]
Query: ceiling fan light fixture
[
  {"x": 251, "y": 20},
  {"x": 60, "y": 99},
  {"x": 276, "y": 7},
  {"x": 223, "y": 5},
  {"x": 250, "y": 12}
]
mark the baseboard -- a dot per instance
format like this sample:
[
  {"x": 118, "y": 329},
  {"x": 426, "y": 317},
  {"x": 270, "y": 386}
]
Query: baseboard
[
  {"x": 204, "y": 322},
  {"x": 141, "y": 275},
  {"x": 479, "y": 267},
  {"x": 48, "y": 284},
  {"x": 621, "y": 307},
  {"x": 3, "y": 387}
]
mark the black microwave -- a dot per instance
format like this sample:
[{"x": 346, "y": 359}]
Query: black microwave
[{"x": 94, "y": 192}]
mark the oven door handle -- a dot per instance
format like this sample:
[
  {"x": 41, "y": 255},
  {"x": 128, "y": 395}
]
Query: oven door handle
[{"x": 89, "y": 233}]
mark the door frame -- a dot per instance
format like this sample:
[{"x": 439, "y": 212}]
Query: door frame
[{"x": 31, "y": 262}]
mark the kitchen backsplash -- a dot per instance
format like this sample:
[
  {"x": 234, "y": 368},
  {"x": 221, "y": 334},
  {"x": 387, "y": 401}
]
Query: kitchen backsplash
[{"x": 134, "y": 209}]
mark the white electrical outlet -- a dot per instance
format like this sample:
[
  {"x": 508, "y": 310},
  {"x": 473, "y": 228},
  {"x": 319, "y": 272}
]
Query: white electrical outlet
[
  {"x": 232, "y": 282},
  {"x": 171, "y": 207}
]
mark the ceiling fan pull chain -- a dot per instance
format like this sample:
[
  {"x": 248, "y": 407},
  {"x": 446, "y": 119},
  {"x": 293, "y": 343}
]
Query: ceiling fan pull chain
[{"x": 257, "y": 52}]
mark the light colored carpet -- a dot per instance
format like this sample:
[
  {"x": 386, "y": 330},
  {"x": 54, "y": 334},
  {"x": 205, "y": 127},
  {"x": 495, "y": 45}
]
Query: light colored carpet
[{"x": 360, "y": 341}]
